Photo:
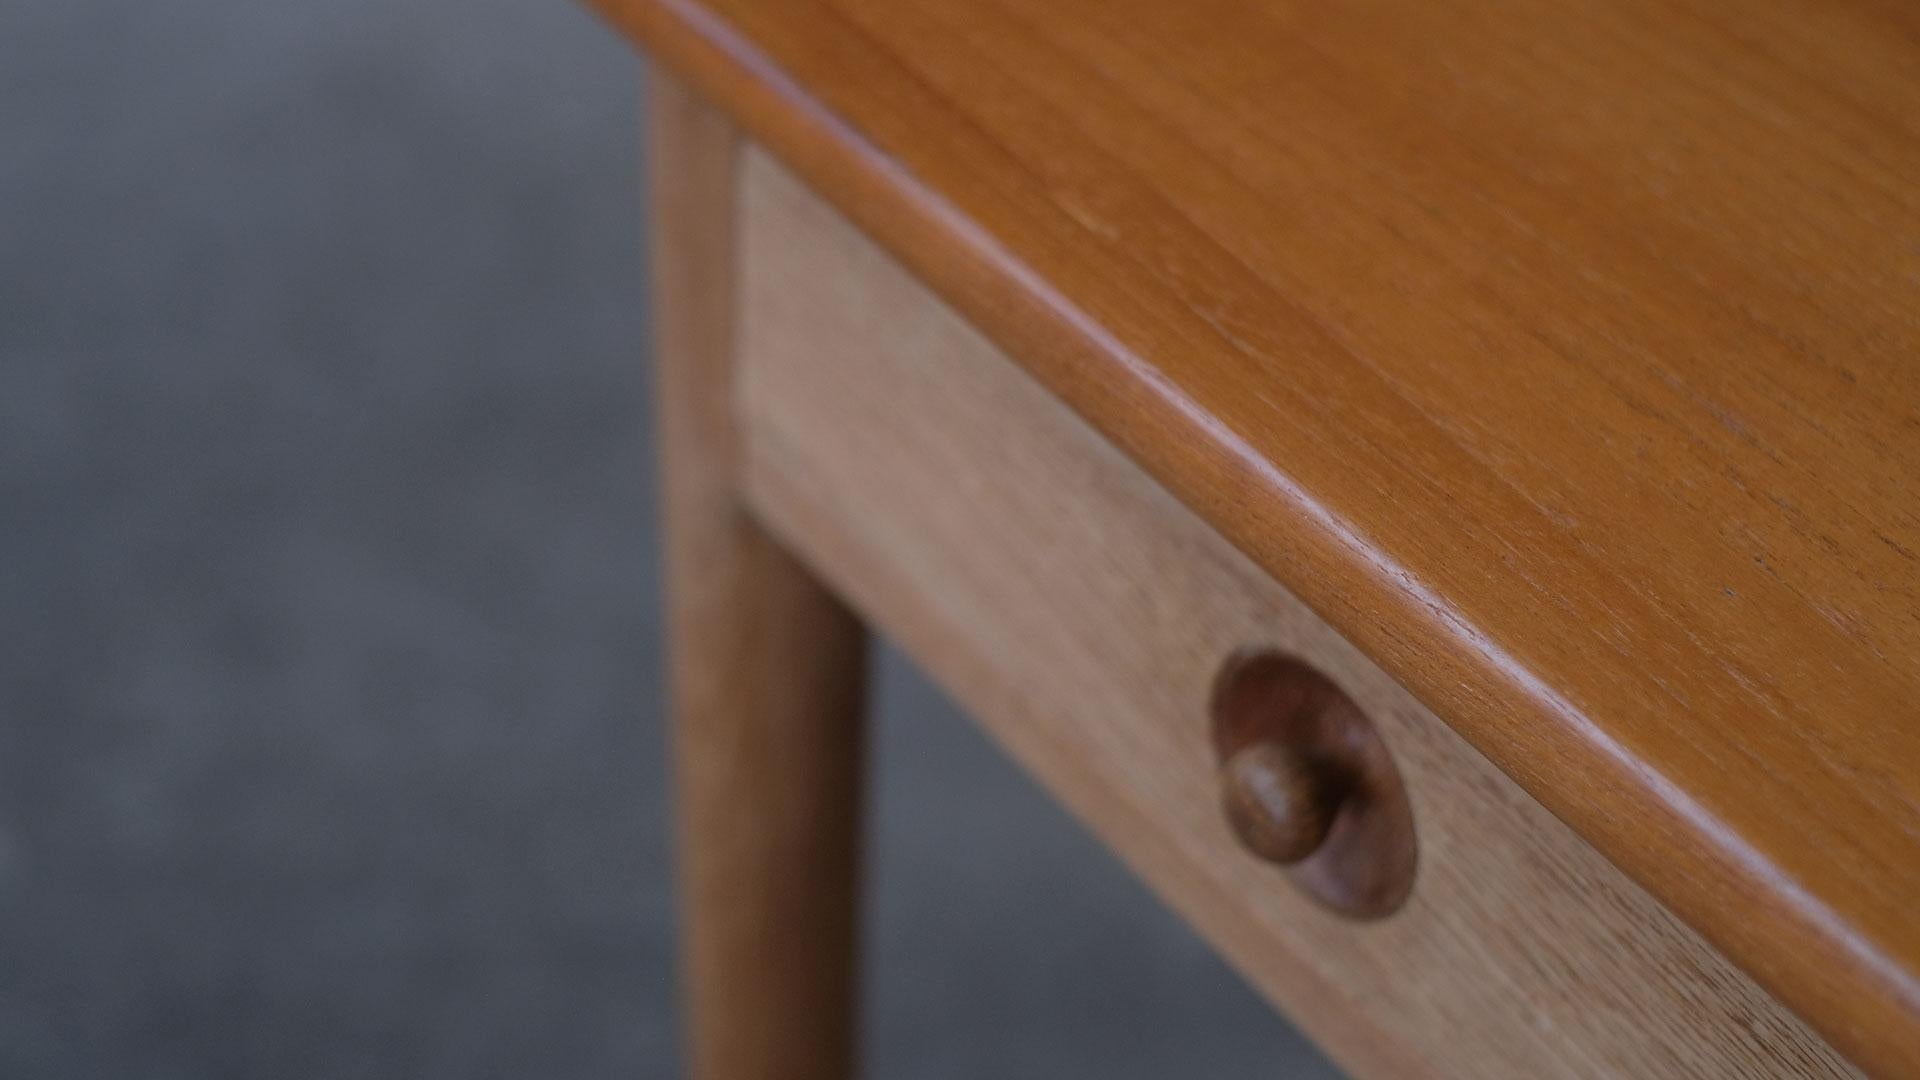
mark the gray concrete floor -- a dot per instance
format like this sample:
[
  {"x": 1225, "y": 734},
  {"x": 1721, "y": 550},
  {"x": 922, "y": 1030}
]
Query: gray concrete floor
[{"x": 329, "y": 650}]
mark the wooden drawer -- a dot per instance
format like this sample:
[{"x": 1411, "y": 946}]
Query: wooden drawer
[{"x": 1081, "y": 614}]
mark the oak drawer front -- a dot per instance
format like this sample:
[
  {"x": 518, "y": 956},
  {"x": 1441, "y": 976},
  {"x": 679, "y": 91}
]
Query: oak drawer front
[{"x": 1081, "y": 615}]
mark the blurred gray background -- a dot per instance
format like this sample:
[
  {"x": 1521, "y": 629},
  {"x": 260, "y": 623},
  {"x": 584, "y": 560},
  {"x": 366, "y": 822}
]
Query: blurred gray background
[{"x": 329, "y": 642}]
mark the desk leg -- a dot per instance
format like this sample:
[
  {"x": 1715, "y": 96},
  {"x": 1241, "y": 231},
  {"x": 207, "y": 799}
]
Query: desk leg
[{"x": 767, "y": 672}]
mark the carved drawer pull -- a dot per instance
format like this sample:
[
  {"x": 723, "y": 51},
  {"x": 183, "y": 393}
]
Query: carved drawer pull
[{"x": 1307, "y": 784}]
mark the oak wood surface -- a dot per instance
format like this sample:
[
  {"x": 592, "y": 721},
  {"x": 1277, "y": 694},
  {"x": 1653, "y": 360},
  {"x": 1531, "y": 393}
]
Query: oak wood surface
[
  {"x": 1561, "y": 353},
  {"x": 1082, "y": 615},
  {"x": 766, "y": 666}
]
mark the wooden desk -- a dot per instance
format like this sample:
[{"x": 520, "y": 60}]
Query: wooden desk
[{"x": 1533, "y": 389}]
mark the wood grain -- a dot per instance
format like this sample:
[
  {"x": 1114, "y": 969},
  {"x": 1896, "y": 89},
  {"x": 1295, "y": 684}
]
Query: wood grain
[
  {"x": 1081, "y": 614},
  {"x": 767, "y": 673},
  {"x": 1560, "y": 353}
]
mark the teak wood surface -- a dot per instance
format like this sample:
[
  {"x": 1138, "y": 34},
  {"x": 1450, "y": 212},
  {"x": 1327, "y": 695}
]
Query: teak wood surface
[
  {"x": 767, "y": 671},
  {"x": 1084, "y": 618},
  {"x": 1561, "y": 353}
]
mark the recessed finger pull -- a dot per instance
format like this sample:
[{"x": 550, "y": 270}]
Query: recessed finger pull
[{"x": 1307, "y": 784}]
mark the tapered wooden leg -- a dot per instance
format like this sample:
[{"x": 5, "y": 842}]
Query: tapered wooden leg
[{"x": 767, "y": 669}]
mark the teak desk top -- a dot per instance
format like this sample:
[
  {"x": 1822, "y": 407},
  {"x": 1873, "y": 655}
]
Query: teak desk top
[{"x": 1564, "y": 355}]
